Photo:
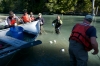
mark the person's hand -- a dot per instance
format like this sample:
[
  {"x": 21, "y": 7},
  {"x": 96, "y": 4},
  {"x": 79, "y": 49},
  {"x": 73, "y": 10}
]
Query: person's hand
[
  {"x": 95, "y": 52},
  {"x": 53, "y": 24},
  {"x": 41, "y": 23},
  {"x": 15, "y": 24},
  {"x": 58, "y": 28}
]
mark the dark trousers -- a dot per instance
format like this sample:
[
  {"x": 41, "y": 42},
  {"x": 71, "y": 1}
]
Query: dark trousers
[
  {"x": 57, "y": 30},
  {"x": 78, "y": 55},
  {"x": 41, "y": 27}
]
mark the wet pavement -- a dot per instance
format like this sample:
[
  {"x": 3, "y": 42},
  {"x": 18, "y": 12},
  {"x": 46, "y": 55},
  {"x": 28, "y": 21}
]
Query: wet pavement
[{"x": 56, "y": 52}]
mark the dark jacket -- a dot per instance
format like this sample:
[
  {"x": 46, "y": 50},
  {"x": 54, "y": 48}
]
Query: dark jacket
[
  {"x": 41, "y": 19},
  {"x": 57, "y": 22}
]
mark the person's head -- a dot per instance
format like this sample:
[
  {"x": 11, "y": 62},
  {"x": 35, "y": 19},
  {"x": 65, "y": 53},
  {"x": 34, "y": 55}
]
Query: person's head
[
  {"x": 89, "y": 18},
  {"x": 40, "y": 15},
  {"x": 25, "y": 12},
  {"x": 11, "y": 14},
  {"x": 58, "y": 17},
  {"x": 31, "y": 13}
]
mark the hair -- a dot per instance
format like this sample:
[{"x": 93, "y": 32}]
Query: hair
[
  {"x": 31, "y": 13},
  {"x": 11, "y": 13},
  {"x": 40, "y": 14}
]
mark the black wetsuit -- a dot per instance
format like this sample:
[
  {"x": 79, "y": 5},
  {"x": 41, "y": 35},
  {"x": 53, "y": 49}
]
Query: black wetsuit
[{"x": 57, "y": 25}]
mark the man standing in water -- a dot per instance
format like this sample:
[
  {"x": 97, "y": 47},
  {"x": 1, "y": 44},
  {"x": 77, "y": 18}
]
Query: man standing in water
[
  {"x": 57, "y": 23},
  {"x": 82, "y": 40}
]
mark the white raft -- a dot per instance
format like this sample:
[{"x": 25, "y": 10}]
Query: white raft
[{"x": 12, "y": 45}]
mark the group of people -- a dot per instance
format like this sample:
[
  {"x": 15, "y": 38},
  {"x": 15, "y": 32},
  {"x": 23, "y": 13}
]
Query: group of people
[
  {"x": 82, "y": 38},
  {"x": 25, "y": 18},
  {"x": 13, "y": 20}
]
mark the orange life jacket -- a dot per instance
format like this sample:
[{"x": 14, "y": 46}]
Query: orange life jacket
[
  {"x": 13, "y": 21},
  {"x": 26, "y": 18},
  {"x": 79, "y": 34}
]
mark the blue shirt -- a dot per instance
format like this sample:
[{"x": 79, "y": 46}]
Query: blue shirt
[{"x": 91, "y": 32}]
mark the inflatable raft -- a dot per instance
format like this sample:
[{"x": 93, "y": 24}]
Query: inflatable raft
[{"x": 16, "y": 38}]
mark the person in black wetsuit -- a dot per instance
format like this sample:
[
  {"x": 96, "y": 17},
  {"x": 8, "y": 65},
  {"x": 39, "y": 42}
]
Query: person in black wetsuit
[{"x": 57, "y": 23}]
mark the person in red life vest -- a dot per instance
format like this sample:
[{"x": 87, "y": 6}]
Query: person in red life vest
[
  {"x": 25, "y": 18},
  {"x": 82, "y": 39},
  {"x": 12, "y": 19},
  {"x": 32, "y": 17}
]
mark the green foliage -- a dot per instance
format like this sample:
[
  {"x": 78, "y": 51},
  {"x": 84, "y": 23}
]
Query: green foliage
[
  {"x": 63, "y": 6},
  {"x": 84, "y": 6},
  {"x": 55, "y": 6}
]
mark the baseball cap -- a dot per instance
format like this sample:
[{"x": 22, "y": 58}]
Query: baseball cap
[{"x": 89, "y": 18}]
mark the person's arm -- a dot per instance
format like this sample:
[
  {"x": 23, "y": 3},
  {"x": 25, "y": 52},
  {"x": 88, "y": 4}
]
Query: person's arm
[
  {"x": 94, "y": 44},
  {"x": 29, "y": 18},
  {"x": 43, "y": 21},
  {"x": 18, "y": 18},
  {"x": 91, "y": 33},
  {"x": 54, "y": 21},
  {"x": 22, "y": 19},
  {"x": 37, "y": 18},
  {"x": 61, "y": 22},
  {"x": 8, "y": 20}
]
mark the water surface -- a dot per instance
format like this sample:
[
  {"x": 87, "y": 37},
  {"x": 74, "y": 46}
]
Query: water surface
[{"x": 48, "y": 54}]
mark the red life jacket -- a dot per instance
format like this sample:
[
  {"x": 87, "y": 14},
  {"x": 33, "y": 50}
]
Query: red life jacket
[
  {"x": 13, "y": 21},
  {"x": 79, "y": 34}
]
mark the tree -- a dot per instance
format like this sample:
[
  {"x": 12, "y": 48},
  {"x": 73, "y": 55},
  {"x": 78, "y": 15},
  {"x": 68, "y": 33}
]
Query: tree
[
  {"x": 55, "y": 6},
  {"x": 61, "y": 6}
]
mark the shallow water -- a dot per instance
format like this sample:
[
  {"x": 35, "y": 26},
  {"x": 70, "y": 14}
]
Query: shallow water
[{"x": 48, "y": 54}]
